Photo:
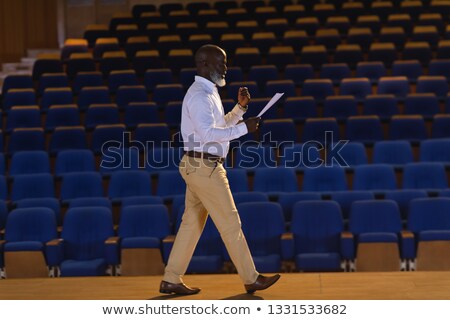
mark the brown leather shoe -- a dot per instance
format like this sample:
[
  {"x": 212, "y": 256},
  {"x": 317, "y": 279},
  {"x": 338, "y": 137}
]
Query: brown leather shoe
[
  {"x": 177, "y": 288},
  {"x": 261, "y": 283}
]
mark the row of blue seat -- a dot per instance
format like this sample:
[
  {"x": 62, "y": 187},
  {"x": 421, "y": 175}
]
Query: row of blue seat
[
  {"x": 126, "y": 183},
  {"x": 317, "y": 242}
]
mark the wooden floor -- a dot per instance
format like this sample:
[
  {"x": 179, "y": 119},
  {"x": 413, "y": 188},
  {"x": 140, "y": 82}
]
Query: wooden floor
[{"x": 292, "y": 286}]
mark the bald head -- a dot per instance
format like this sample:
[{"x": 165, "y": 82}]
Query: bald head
[{"x": 211, "y": 63}]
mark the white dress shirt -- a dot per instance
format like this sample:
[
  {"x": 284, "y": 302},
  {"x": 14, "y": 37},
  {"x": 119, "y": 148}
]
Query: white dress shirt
[{"x": 204, "y": 126}]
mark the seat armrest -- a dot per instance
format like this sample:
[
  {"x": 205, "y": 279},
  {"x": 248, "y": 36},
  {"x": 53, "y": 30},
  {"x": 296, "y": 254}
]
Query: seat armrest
[
  {"x": 407, "y": 245},
  {"x": 347, "y": 245},
  {"x": 287, "y": 246},
  {"x": 54, "y": 250},
  {"x": 167, "y": 245},
  {"x": 112, "y": 250}
]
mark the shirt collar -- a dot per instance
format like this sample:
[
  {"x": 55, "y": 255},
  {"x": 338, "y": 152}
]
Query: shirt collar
[{"x": 207, "y": 84}]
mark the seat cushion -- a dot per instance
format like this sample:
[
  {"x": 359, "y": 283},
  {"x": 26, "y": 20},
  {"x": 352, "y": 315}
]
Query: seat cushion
[
  {"x": 434, "y": 235},
  {"x": 318, "y": 261},
  {"x": 205, "y": 264},
  {"x": 24, "y": 246},
  {"x": 377, "y": 237},
  {"x": 74, "y": 268},
  {"x": 140, "y": 242},
  {"x": 270, "y": 263}
]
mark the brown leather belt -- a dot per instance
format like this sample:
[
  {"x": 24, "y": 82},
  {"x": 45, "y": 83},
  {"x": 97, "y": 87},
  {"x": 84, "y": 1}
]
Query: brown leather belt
[{"x": 204, "y": 155}]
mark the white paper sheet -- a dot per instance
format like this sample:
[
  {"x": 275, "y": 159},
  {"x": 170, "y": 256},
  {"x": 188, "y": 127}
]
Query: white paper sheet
[{"x": 272, "y": 101}]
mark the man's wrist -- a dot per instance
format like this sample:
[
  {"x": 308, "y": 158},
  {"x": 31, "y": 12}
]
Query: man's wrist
[{"x": 243, "y": 108}]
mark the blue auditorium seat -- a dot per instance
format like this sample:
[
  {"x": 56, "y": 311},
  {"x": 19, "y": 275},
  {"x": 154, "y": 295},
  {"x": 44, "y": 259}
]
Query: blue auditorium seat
[
  {"x": 17, "y": 81},
  {"x": 340, "y": 107},
  {"x": 108, "y": 136},
  {"x": 52, "y": 80},
  {"x": 374, "y": 177},
  {"x": 152, "y": 135},
  {"x": 66, "y": 138},
  {"x": 140, "y": 112},
  {"x": 79, "y": 63},
  {"x": 345, "y": 200},
  {"x": 118, "y": 159},
  {"x": 352, "y": 154},
  {"x": 397, "y": 86},
  {"x": 29, "y": 162},
  {"x": 165, "y": 93},
  {"x": 120, "y": 78},
  {"x": 382, "y": 105},
  {"x": 18, "y": 97},
  {"x": 300, "y": 108},
  {"x": 364, "y": 129},
  {"x": 287, "y": 200},
  {"x": 81, "y": 185},
  {"x": 254, "y": 156},
  {"x": 299, "y": 156},
  {"x": 324, "y": 179},
  {"x": 393, "y": 152},
  {"x": 83, "y": 248},
  {"x": 323, "y": 130},
  {"x": 127, "y": 183},
  {"x": 263, "y": 226},
  {"x": 441, "y": 126},
  {"x": 101, "y": 114},
  {"x": 425, "y": 104},
  {"x": 127, "y": 94},
  {"x": 278, "y": 132},
  {"x": 141, "y": 200},
  {"x": 429, "y": 220},
  {"x": 376, "y": 226},
  {"x": 141, "y": 231},
  {"x": 68, "y": 161},
  {"x": 23, "y": 117},
  {"x": 262, "y": 74},
  {"x": 318, "y": 88},
  {"x": 39, "y": 185},
  {"x": 298, "y": 73},
  {"x": 90, "y": 202},
  {"x": 411, "y": 69},
  {"x": 360, "y": 88},
  {"x": 317, "y": 227},
  {"x": 153, "y": 77},
  {"x": 50, "y": 203},
  {"x": 404, "y": 198},
  {"x": 26, "y": 235},
  {"x": 238, "y": 180},
  {"x": 56, "y": 96},
  {"x": 158, "y": 159},
  {"x": 435, "y": 150},
  {"x": 335, "y": 71},
  {"x": 373, "y": 70},
  {"x": 274, "y": 180},
  {"x": 433, "y": 84},
  {"x": 170, "y": 183},
  {"x": 424, "y": 175},
  {"x": 62, "y": 116},
  {"x": 410, "y": 128},
  {"x": 93, "y": 95},
  {"x": 26, "y": 139}
]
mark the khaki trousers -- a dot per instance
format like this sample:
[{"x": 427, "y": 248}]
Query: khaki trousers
[{"x": 208, "y": 191}]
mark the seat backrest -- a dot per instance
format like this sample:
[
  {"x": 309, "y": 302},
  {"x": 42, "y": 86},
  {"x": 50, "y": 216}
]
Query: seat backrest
[
  {"x": 31, "y": 224},
  {"x": 263, "y": 225},
  {"x": 374, "y": 177},
  {"x": 429, "y": 214},
  {"x": 324, "y": 179},
  {"x": 85, "y": 230},
  {"x": 368, "y": 216},
  {"x": 317, "y": 226},
  {"x": 144, "y": 221}
]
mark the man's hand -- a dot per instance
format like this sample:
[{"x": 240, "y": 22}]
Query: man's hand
[
  {"x": 252, "y": 124},
  {"x": 243, "y": 96}
]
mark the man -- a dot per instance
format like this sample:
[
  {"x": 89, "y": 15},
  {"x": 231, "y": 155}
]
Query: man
[{"x": 206, "y": 134}]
